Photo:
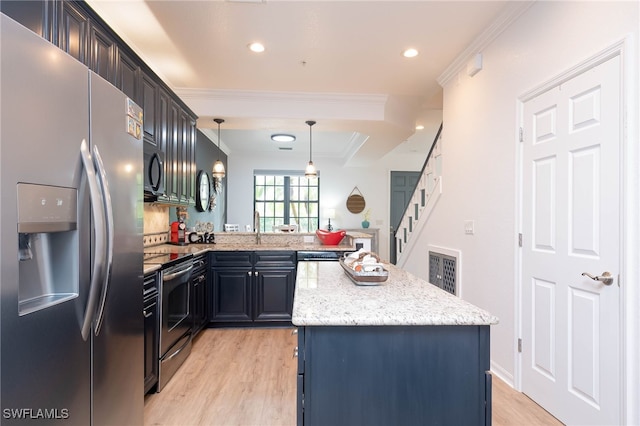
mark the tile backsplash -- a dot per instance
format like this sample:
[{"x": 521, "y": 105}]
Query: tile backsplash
[
  {"x": 156, "y": 225},
  {"x": 156, "y": 219}
]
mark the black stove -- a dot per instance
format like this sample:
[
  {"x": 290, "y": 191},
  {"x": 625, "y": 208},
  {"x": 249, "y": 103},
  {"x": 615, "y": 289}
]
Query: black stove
[{"x": 165, "y": 256}]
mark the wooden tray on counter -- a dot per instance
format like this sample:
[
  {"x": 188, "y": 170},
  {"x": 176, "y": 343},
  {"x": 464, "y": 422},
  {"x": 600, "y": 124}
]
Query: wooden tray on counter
[{"x": 363, "y": 277}]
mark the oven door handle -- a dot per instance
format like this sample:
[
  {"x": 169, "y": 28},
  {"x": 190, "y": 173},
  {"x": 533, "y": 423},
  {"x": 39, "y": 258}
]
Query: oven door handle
[{"x": 178, "y": 274}]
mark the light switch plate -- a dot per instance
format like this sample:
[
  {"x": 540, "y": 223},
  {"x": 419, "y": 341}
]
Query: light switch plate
[{"x": 469, "y": 227}]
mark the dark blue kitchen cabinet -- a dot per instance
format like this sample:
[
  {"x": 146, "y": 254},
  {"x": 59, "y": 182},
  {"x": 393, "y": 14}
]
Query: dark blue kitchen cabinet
[
  {"x": 150, "y": 312},
  {"x": 199, "y": 291},
  {"x": 252, "y": 288},
  {"x": 231, "y": 294},
  {"x": 149, "y": 102},
  {"x": 400, "y": 375},
  {"x": 72, "y": 34},
  {"x": 169, "y": 126},
  {"x": 37, "y": 15},
  {"x": 102, "y": 52},
  {"x": 128, "y": 76},
  {"x": 274, "y": 294},
  {"x": 275, "y": 276}
]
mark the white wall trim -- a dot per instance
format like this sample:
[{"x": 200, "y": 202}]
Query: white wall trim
[
  {"x": 502, "y": 374},
  {"x": 629, "y": 232},
  {"x": 589, "y": 63},
  {"x": 510, "y": 13},
  {"x": 630, "y": 277}
]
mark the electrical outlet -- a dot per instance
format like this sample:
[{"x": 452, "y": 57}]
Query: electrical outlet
[
  {"x": 308, "y": 239},
  {"x": 469, "y": 227}
]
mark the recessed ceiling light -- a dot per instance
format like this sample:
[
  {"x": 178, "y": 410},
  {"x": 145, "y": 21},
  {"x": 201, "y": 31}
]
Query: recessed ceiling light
[
  {"x": 282, "y": 137},
  {"x": 410, "y": 53},
  {"x": 419, "y": 127},
  {"x": 256, "y": 47}
]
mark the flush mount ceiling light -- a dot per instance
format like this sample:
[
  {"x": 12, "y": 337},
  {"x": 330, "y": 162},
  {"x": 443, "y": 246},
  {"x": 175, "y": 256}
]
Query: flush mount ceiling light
[
  {"x": 256, "y": 47},
  {"x": 310, "y": 170},
  {"x": 218, "y": 166},
  {"x": 282, "y": 137},
  {"x": 410, "y": 53}
]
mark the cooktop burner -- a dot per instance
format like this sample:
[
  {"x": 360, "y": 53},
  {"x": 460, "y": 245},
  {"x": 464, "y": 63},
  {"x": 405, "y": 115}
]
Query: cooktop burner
[{"x": 164, "y": 256}]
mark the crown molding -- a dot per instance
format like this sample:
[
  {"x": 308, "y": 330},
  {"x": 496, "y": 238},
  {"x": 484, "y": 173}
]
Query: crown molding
[
  {"x": 264, "y": 96},
  {"x": 243, "y": 103},
  {"x": 510, "y": 14}
]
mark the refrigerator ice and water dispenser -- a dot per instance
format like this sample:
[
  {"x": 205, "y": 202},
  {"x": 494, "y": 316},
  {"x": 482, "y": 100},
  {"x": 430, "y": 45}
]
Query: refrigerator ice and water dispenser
[{"x": 47, "y": 246}]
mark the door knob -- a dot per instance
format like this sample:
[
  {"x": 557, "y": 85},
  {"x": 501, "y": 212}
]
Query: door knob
[{"x": 605, "y": 278}]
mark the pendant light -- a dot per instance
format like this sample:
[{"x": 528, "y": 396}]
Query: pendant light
[
  {"x": 310, "y": 170},
  {"x": 218, "y": 166}
]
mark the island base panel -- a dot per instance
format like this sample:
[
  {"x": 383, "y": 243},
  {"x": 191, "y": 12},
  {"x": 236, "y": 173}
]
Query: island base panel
[{"x": 431, "y": 375}]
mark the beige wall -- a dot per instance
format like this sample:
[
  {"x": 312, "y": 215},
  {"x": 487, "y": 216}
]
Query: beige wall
[{"x": 480, "y": 157}]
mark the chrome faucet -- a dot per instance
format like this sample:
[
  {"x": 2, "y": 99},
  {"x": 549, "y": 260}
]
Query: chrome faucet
[{"x": 256, "y": 225}]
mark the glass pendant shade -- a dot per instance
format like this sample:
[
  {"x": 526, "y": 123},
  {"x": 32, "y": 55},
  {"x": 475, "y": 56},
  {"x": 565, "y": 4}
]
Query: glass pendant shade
[
  {"x": 310, "y": 170},
  {"x": 218, "y": 167},
  {"x": 218, "y": 170}
]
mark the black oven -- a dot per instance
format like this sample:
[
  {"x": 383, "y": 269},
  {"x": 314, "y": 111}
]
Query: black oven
[{"x": 175, "y": 318}]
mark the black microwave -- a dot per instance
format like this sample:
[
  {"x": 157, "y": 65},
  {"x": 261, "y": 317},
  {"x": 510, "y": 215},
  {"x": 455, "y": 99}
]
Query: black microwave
[{"x": 154, "y": 175}]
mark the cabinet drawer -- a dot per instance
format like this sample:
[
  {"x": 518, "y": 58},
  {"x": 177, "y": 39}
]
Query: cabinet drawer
[
  {"x": 275, "y": 258},
  {"x": 231, "y": 258}
]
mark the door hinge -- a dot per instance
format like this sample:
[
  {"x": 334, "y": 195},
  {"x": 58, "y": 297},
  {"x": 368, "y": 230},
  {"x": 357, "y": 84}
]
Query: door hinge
[
  {"x": 521, "y": 134},
  {"x": 520, "y": 240},
  {"x": 519, "y": 345}
]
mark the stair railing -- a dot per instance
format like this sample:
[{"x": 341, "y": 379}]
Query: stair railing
[{"x": 424, "y": 166}]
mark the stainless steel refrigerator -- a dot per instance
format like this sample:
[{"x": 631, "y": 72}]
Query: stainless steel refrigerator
[{"x": 71, "y": 219}]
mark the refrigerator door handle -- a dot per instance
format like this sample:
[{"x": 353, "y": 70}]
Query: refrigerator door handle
[
  {"x": 109, "y": 224},
  {"x": 100, "y": 244}
]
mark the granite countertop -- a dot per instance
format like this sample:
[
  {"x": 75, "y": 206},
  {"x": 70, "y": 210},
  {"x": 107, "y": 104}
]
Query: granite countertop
[
  {"x": 325, "y": 296},
  {"x": 197, "y": 249},
  {"x": 148, "y": 268}
]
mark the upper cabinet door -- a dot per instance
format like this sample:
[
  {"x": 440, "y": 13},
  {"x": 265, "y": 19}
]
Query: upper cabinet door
[
  {"x": 127, "y": 76},
  {"x": 150, "y": 105},
  {"x": 35, "y": 15},
  {"x": 103, "y": 53},
  {"x": 73, "y": 31}
]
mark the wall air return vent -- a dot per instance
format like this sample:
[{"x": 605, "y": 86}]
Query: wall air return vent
[{"x": 443, "y": 271}]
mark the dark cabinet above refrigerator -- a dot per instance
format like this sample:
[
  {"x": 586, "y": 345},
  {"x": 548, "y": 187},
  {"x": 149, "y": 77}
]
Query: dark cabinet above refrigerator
[{"x": 169, "y": 129}]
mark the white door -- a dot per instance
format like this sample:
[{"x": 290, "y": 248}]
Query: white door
[{"x": 570, "y": 225}]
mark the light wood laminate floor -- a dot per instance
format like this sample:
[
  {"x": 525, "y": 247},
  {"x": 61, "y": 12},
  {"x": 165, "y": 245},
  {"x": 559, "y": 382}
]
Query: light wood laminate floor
[{"x": 247, "y": 377}]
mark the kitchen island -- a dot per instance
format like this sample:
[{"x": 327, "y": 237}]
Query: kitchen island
[{"x": 403, "y": 352}]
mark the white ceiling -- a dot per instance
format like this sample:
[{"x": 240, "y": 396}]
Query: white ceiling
[{"x": 336, "y": 62}]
